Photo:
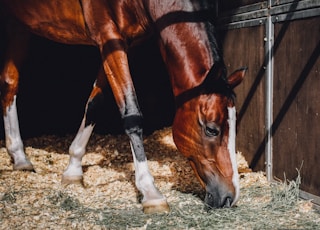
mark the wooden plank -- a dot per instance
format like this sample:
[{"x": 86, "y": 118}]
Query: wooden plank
[
  {"x": 296, "y": 102},
  {"x": 245, "y": 47},
  {"x": 228, "y": 5}
]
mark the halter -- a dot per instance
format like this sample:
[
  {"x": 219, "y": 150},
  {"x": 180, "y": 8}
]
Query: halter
[{"x": 214, "y": 82}]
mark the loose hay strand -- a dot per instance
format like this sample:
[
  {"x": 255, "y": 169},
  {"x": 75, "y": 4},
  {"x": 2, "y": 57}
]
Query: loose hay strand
[
  {"x": 286, "y": 194},
  {"x": 109, "y": 199}
]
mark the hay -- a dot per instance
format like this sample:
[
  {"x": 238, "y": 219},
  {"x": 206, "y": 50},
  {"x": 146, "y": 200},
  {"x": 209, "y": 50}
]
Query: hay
[{"x": 109, "y": 199}]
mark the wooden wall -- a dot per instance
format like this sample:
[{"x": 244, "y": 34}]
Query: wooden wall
[
  {"x": 245, "y": 47},
  {"x": 295, "y": 98},
  {"x": 234, "y": 4},
  {"x": 296, "y": 127}
]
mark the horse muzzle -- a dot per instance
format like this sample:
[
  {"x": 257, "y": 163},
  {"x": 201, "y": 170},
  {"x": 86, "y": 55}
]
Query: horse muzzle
[
  {"x": 219, "y": 198},
  {"x": 212, "y": 201}
]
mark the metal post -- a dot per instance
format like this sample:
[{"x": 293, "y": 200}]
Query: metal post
[{"x": 269, "y": 39}]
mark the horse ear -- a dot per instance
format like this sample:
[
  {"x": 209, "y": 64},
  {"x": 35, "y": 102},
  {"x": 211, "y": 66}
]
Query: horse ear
[{"x": 236, "y": 77}]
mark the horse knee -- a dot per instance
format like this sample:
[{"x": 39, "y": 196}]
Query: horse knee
[{"x": 8, "y": 85}]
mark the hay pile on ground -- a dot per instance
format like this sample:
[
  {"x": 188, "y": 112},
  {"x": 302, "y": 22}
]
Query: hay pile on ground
[{"x": 109, "y": 199}]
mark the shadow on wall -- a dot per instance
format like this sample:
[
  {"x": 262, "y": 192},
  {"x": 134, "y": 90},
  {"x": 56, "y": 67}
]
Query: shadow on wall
[{"x": 56, "y": 81}]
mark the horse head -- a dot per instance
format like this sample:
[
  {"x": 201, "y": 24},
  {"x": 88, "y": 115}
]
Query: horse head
[
  {"x": 204, "y": 131},
  {"x": 205, "y": 122}
]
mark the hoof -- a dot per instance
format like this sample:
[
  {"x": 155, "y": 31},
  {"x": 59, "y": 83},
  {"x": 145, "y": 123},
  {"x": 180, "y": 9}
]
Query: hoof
[
  {"x": 66, "y": 180},
  {"x": 26, "y": 166},
  {"x": 155, "y": 206}
]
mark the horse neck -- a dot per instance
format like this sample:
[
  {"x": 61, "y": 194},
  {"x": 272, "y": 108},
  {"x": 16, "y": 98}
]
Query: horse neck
[
  {"x": 187, "y": 60},
  {"x": 185, "y": 43}
]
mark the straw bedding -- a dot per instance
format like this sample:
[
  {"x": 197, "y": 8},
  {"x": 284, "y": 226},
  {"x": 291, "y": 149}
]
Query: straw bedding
[{"x": 108, "y": 198}]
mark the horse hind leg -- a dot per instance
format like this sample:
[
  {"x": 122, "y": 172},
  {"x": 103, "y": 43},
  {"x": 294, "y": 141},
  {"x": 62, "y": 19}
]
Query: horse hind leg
[
  {"x": 73, "y": 173},
  {"x": 14, "y": 143},
  {"x": 9, "y": 79}
]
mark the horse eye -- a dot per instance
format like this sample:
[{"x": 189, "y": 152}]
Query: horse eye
[{"x": 212, "y": 131}]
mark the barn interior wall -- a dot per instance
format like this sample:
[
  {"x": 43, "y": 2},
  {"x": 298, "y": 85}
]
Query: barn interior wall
[
  {"x": 291, "y": 85},
  {"x": 245, "y": 47},
  {"x": 296, "y": 126}
]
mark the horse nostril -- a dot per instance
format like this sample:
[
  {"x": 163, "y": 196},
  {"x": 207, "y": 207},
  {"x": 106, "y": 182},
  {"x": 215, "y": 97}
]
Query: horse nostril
[
  {"x": 214, "y": 201},
  {"x": 227, "y": 202}
]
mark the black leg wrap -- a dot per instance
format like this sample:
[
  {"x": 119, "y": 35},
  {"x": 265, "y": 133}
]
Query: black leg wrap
[
  {"x": 132, "y": 123},
  {"x": 133, "y": 128}
]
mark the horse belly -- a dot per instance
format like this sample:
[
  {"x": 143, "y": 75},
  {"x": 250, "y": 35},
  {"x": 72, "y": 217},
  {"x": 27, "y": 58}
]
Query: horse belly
[{"x": 60, "y": 21}]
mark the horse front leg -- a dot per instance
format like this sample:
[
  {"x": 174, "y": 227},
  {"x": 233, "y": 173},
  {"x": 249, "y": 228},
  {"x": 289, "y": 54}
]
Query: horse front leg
[
  {"x": 73, "y": 173},
  {"x": 9, "y": 80},
  {"x": 153, "y": 201},
  {"x": 117, "y": 71}
]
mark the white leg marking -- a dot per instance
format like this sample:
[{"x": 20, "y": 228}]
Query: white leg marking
[
  {"x": 77, "y": 151},
  {"x": 14, "y": 143},
  {"x": 232, "y": 151},
  {"x": 145, "y": 181}
]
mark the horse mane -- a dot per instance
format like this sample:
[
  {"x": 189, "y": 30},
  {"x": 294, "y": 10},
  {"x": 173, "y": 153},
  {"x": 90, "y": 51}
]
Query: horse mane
[{"x": 215, "y": 82}]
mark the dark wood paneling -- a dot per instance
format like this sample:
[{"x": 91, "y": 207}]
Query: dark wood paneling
[
  {"x": 296, "y": 102},
  {"x": 226, "y": 5},
  {"x": 245, "y": 47}
]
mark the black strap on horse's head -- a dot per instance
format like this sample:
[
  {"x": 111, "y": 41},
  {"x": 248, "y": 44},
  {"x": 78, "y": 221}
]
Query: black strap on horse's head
[{"x": 215, "y": 82}]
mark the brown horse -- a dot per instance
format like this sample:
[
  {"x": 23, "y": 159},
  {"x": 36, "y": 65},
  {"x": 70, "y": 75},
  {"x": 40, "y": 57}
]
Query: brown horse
[{"x": 205, "y": 122}]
